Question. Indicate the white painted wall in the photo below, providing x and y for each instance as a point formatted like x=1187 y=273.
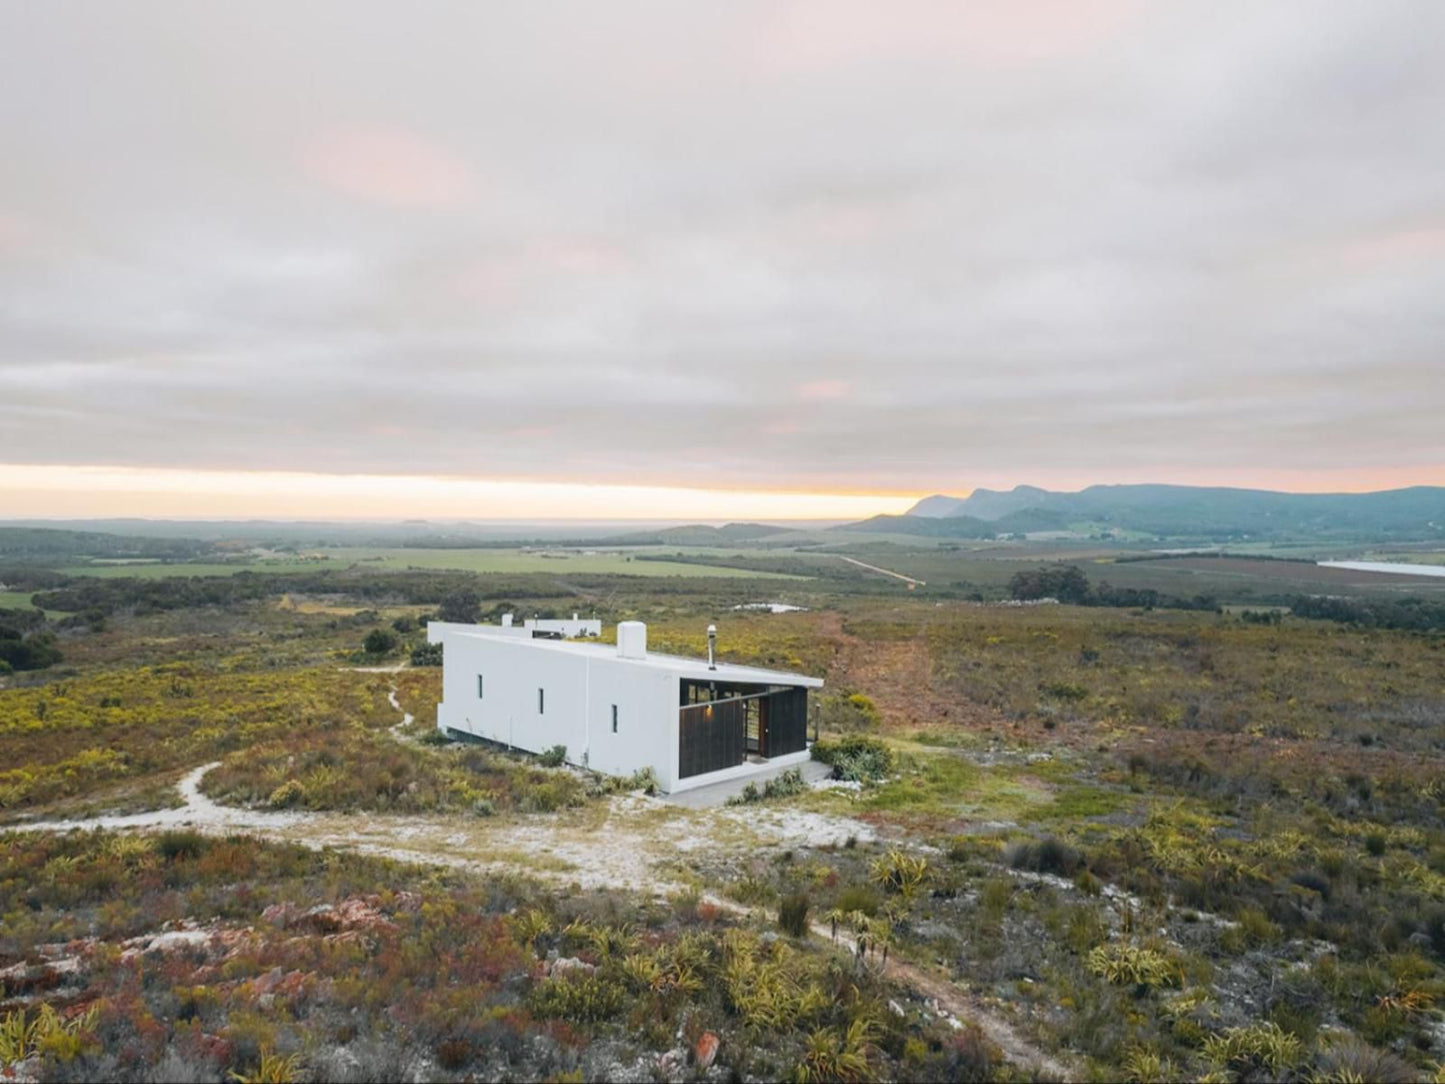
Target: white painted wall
x=579 y=691
x=436 y=631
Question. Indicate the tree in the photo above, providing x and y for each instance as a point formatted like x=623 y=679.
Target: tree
x=33 y=652
x=462 y=607
x=1067 y=584
x=379 y=642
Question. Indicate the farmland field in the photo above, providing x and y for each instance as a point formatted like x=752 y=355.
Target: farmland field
x=1118 y=842
x=517 y=561
x=462 y=560
x=1238 y=579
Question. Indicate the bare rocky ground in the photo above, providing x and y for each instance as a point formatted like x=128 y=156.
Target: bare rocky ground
x=614 y=844
x=625 y=842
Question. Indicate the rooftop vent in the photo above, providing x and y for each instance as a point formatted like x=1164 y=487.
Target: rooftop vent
x=631 y=640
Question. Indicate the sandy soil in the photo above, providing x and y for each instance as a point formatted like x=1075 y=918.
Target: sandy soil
x=624 y=843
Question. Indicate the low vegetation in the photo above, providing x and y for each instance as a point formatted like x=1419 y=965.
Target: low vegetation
x=356 y=769
x=75 y=735
x=856 y=758
x=1159 y=843
x=233 y=958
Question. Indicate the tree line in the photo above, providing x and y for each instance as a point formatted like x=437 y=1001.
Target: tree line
x=1068 y=584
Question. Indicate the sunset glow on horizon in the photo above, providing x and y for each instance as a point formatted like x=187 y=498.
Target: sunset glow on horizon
x=750 y=260
x=41 y=491
x=65 y=492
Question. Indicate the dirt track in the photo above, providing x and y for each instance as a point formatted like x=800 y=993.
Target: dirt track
x=620 y=849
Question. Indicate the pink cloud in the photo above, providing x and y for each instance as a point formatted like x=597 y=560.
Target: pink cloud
x=388 y=165
x=581 y=255
x=501 y=280
x=1420 y=243
x=824 y=390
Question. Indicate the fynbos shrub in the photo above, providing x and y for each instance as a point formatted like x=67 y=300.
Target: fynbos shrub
x=793 y=915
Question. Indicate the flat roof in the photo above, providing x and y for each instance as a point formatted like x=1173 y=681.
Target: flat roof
x=679 y=664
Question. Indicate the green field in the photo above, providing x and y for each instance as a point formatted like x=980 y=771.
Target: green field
x=464 y=560
x=230 y=568
x=515 y=561
x=1236 y=579
x=15 y=600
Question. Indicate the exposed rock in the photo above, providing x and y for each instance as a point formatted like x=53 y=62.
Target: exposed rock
x=21 y=1072
x=169 y=941
x=323 y=919
x=706 y=1050
x=281 y=914
x=356 y=913
x=569 y=963
x=269 y=981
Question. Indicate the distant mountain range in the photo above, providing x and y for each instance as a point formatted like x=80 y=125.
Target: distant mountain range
x=1175 y=512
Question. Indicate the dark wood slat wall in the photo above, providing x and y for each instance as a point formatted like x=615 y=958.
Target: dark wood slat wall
x=710 y=739
x=787 y=722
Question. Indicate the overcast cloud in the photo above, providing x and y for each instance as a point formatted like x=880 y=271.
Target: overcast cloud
x=834 y=245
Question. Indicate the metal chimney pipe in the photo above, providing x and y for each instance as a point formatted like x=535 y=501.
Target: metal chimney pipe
x=712 y=647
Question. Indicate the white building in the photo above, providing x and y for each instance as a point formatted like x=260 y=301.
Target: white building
x=620 y=709
x=563 y=628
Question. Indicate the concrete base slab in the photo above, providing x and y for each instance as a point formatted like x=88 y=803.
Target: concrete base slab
x=715 y=794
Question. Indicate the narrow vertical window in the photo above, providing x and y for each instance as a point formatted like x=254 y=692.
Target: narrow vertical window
x=614 y=718
x=479 y=686
x=541 y=702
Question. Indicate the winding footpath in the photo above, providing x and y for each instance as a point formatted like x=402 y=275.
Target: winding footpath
x=618 y=852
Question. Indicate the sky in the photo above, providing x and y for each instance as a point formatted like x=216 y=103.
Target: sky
x=767 y=259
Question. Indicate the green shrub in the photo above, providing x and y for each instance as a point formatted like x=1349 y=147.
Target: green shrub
x=574 y=997
x=1353 y=1060
x=848 y=712
x=180 y=843
x=644 y=779
x=1124 y=964
x=790 y=782
x=898 y=871
x=793 y=915
x=1064 y=690
x=427 y=655
x=860 y=898
x=287 y=794
x=752 y=891
x=1255 y=926
x=856 y=758
x=554 y=757
x=1246 y=1050
x=379 y=642
x=1047 y=855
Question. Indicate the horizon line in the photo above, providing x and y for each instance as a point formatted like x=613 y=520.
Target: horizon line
x=58 y=492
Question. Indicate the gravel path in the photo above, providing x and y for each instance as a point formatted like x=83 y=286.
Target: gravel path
x=621 y=849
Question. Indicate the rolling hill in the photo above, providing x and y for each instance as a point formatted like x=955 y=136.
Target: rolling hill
x=1181 y=511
